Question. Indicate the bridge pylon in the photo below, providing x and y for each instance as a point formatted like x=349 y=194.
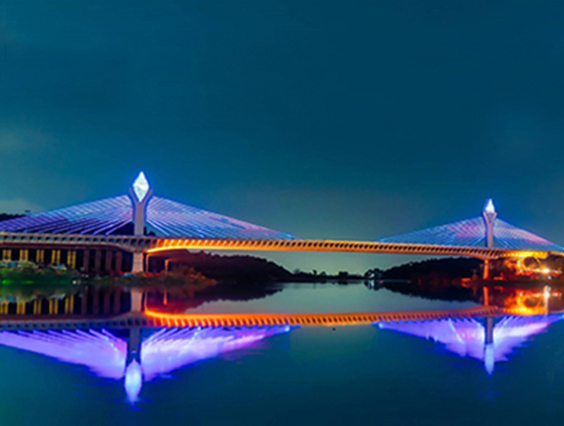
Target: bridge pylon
x=140 y=194
x=489 y=214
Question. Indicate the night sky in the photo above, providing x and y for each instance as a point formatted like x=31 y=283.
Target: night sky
x=326 y=119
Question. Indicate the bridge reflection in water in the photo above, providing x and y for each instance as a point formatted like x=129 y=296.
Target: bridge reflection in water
x=130 y=356
x=490 y=340
x=111 y=332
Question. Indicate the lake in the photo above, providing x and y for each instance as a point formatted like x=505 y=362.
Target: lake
x=438 y=372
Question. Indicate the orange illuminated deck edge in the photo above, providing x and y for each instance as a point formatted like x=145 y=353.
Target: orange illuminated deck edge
x=261 y=320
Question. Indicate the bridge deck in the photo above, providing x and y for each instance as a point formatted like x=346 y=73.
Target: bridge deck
x=151 y=319
x=155 y=245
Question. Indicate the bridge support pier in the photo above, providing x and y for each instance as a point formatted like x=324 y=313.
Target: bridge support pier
x=136 y=300
x=489 y=331
x=117 y=301
x=55 y=257
x=138 y=263
x=486 y=273
x=119 y=260
x=486 y=292
x=24 y=254
x=109 y=257
x=84 y=301
x=6 y=254
x=95 y=301
x=86 y=261
x=97 y=261
x=134 y=345
x=40 y=256
x=71 y=259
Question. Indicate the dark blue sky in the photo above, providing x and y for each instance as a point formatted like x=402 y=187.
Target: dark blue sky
x=327 y=119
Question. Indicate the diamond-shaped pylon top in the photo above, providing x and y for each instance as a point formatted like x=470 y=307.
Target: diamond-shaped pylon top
x=141 y=186
x=489 y=207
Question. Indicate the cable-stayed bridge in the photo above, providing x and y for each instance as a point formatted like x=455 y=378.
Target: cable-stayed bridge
x=121 y=233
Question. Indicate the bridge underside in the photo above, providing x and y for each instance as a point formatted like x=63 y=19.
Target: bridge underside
x=323 y=246
x=95 y=307
x=99 y=253
x=143 y=244
x=110 y=253
x=152 y=319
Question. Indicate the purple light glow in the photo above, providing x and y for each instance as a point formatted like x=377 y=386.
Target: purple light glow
x=467 y=337
x=101 y=352
x=133 y=381
x=164 y=351
x=170 y=349
x=165 y=217
x=472 y=233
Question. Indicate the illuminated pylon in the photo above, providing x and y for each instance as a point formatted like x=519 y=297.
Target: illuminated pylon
x=140 y=194
x=489 y=216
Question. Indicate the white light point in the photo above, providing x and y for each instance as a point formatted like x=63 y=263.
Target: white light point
x=141 y=186
x=489 y=208
x=133 y=381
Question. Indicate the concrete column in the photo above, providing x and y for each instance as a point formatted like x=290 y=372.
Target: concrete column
x=53 y=306
x=117 y=300
x=97 y=261
x=7 y=254
x=37 y=307
x=119 y=261
x=96 y=301
x=71 y=259
x=106 y=304
x=489 y=330
x=108 y=260
x=24 y=254
x=84 y=301
x=486 y=273
x=86 y=260
x=136 y=300
x=69 y=305
x=40 y=256
x=138 y=264
x=134 y=345
x=54 y=257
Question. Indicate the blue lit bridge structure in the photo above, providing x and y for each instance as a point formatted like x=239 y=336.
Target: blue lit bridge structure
x=124 y=342
x=121 y=233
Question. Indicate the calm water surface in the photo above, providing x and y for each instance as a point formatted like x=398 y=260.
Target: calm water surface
x=315 y=298
x=353 y=375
